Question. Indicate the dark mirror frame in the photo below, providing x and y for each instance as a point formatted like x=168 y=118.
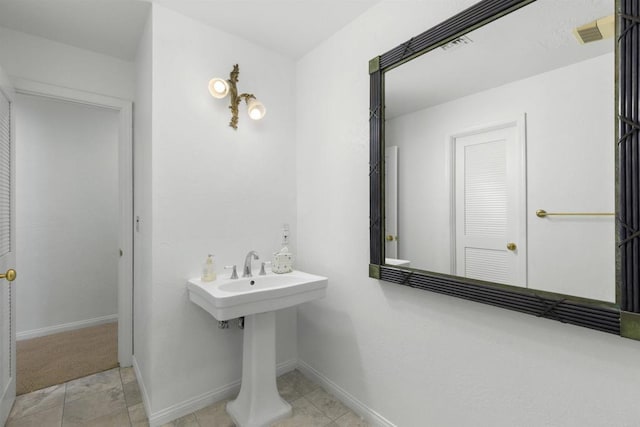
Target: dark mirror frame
x=620 y=318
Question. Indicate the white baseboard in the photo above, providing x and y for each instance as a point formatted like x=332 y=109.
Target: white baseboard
x=191 y=405
x=143 y=389
x=41 y=332
x=286 y=366
x=198 y=402
x=345 y=397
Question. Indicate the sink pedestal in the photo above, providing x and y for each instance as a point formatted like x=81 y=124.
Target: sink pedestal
x=259 y=403
x=257 y=299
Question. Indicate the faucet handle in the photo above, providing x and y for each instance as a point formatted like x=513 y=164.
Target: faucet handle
x=262 y=272
x=234 y=273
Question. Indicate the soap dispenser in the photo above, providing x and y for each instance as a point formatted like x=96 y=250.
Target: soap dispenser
x=282 y=261
x=208 y=270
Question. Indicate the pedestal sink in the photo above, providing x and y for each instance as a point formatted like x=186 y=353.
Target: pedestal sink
x=257 y=298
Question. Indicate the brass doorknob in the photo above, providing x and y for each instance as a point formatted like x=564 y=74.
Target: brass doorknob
x=511 y=246
x=389 y=238
x=10 y=275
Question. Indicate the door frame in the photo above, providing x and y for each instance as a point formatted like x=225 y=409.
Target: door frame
x=520 y=122
x=391 y=169
x=125 y=182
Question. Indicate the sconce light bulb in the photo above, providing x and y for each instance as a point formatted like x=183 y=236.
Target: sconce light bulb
x=218 y=88
x=255 y=114
x=256 y=109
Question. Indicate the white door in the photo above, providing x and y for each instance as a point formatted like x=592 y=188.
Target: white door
x=490 y=205
x=391 y=201
x=7 y=251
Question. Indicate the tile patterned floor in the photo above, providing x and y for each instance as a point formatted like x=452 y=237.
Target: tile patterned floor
x=112 y=398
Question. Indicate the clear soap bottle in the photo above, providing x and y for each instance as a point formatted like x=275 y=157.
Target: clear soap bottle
x=208 y=270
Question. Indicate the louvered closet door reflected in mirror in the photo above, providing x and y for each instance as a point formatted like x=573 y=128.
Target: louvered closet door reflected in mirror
x=489 y=236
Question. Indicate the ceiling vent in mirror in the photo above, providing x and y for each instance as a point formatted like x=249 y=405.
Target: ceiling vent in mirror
x=597 y=30
x=457 y=43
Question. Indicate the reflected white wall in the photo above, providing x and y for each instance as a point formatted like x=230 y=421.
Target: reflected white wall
x=570 y=168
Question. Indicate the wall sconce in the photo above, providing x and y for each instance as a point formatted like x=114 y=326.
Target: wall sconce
x=219 y=88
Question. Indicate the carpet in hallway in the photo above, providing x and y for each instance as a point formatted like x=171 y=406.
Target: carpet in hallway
x=61 y=357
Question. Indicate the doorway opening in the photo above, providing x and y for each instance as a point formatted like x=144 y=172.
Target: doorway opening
x=74 y=234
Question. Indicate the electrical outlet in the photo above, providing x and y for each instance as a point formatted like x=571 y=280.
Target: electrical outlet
x=285 y=234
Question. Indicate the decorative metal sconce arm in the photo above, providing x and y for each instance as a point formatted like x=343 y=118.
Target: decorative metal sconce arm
x=236 y=99
x=235 y=102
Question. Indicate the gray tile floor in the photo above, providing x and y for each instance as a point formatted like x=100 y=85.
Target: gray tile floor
x=112 y=398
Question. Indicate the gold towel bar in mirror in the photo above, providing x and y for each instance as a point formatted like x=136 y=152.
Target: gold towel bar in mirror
x=541 y=213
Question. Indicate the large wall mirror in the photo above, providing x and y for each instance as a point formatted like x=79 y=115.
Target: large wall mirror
x=504 y=160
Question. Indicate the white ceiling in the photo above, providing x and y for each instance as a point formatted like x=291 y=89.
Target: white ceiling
x=109 y=27
x=527 y=42
x=113 y=27
x=291 y=27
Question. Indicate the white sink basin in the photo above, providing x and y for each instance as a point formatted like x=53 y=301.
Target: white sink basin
x=228 y=298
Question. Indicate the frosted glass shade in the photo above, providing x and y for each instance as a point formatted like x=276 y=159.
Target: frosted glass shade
x=218 y=88
x=256 y=109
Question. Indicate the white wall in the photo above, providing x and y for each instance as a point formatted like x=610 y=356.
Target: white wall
x=67 y=212
x=142 y=151
x=416 y=357
x=36 y=58
x=570 y=168
x=213 y=190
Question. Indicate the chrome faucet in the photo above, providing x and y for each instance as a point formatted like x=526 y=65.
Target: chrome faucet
x=246 y=271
